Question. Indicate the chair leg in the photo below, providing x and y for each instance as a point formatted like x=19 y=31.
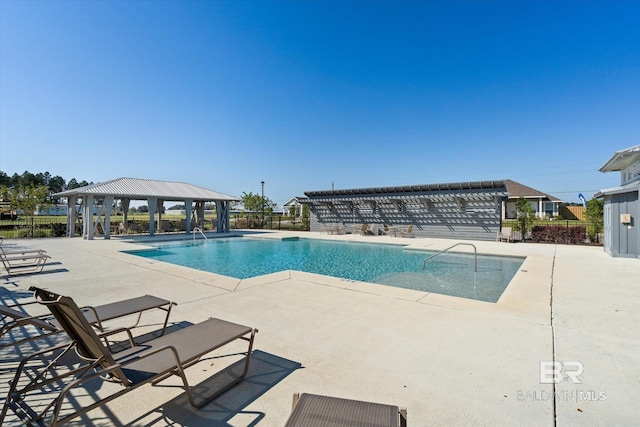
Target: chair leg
x=205 y=400
x=403 y=417
x=296 y=398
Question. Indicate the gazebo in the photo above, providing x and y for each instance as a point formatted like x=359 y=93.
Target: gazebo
x=96 y=201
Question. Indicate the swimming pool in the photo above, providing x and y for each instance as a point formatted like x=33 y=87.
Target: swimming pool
x=243 y=258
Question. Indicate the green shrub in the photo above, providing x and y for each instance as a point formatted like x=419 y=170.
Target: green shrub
x=58 y=229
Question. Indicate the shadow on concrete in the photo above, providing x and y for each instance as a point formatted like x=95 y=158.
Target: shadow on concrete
x=265 y=372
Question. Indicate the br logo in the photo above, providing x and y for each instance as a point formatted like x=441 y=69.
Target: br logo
x=553 y=372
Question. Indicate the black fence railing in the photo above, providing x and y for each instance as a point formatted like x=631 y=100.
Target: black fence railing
x=544 y=231
x=39 y=227
x=559 y=231
x=33 y=227
x=269 y=222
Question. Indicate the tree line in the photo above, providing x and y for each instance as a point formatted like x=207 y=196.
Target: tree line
x=55 y=184
x=28 y=191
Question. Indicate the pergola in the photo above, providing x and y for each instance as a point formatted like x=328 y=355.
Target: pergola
x=99 y=198
x=461 y=210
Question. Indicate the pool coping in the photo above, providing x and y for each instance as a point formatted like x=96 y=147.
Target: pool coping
x=522 y=298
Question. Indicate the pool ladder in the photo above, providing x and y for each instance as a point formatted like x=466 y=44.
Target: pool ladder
x=475 y=255
x=198 y=230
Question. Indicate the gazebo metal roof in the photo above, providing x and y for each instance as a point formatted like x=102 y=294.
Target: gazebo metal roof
x=134 y=188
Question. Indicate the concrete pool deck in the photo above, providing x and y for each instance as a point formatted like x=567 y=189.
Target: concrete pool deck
x=449 y=361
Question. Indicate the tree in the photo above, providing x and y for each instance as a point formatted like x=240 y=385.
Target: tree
x=305 y=214
x=257 y=204
x=595 y=215
x=28 y=199
x=251 y=202
x=524 y=216
x=5 y=180
x=56 y=184
x=72 y=184
x=75 y=184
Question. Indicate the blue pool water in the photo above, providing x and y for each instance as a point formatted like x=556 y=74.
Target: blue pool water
x=242 y=258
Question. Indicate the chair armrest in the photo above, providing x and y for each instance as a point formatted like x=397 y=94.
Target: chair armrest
x=104 y=334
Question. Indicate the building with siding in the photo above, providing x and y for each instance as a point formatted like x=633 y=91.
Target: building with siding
x=543 y=204
x=621 y=204
x=294 y=201
x=469 y=210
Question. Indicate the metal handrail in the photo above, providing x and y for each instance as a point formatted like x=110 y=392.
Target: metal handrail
x=475 y=255
x=198 y=230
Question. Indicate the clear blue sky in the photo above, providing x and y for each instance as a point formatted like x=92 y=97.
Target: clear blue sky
x=309 y=94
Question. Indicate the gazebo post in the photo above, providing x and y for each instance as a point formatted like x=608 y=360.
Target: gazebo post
x=187 y=208
x=71 y=216
x=87 y=217
x=159 y=206
x=152 y=202
x=124 y=202
x=222 y=216
x=108 y=204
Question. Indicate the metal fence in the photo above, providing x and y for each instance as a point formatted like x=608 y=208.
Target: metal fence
x=33 y=227
x=274 y=222
x=560 y=231
x=39 y=227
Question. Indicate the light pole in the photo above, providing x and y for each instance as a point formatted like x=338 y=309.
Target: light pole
x=262 y=203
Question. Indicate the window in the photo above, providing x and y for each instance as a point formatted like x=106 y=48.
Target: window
x=549 y=208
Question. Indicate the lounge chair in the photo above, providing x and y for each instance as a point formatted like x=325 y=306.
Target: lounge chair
x=408 y=232
x=506 y=234
x=24 y=261
x=151 y=362
x=368 y=230
x=18 y=251
x=122 y=229
x=312 y=410
x=96 y=316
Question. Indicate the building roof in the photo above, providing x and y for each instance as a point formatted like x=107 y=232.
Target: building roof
x=628 y=188
x=454 y=186
x=134 y=188
x=294 y=200
x=515 y=189
x=622 y=159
